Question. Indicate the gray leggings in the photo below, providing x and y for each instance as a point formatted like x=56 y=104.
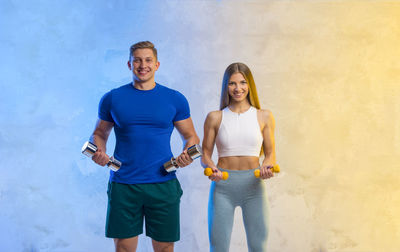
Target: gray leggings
x=244 y=190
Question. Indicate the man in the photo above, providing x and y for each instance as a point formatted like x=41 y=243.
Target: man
x=143 y=115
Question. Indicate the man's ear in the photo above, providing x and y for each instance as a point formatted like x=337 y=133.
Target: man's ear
x=129 y=65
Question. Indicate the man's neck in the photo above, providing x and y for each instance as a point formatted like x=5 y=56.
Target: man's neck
x=148 y=85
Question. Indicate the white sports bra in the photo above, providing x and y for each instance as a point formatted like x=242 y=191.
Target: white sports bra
x=239 y=134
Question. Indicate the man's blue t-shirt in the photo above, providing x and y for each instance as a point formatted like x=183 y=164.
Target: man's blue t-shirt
x=143 y=124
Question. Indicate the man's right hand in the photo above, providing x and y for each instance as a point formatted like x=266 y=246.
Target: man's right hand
x=99 y=138
x=100 y=158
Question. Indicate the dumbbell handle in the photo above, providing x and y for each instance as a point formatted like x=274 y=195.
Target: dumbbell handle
x=274 y=169
x=88 y=149
x=208 y=172
x=193 y=151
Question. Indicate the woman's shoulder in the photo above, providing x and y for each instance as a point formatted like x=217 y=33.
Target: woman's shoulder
x=265 y=115
x=214 y=118
x=214 y=115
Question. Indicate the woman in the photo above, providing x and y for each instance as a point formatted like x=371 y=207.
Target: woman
x=241 y=131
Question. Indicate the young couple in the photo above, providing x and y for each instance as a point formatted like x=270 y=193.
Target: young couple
x=143 y=114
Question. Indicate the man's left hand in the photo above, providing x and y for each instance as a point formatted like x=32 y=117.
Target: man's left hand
x=184 y=159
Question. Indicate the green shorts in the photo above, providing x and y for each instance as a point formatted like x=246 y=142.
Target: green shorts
x=157 y=203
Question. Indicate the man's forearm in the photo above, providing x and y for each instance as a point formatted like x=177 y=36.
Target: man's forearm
x=99 y=141
x=191 y=141
x=101 y=133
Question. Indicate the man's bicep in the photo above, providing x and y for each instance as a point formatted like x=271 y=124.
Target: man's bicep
x=103 y=128
x=185 y=127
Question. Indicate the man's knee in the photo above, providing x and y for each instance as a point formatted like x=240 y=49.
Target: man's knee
x=163 y=246
x=126 y=245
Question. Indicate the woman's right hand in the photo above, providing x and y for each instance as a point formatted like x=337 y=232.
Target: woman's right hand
x=217 y=174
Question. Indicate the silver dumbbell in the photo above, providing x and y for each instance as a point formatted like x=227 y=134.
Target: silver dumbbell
x=89 y=149
x=194 y=152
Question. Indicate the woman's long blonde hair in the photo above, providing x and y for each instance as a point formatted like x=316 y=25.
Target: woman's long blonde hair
x=245 y=71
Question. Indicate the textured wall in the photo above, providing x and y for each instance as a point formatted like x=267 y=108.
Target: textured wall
x=329 y=71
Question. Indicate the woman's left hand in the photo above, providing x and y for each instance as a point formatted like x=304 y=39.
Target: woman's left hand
x=266 y=171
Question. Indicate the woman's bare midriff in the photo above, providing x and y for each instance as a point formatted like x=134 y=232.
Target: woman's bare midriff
x=238 y=163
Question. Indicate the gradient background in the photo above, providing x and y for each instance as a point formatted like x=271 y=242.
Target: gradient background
x=328 y=70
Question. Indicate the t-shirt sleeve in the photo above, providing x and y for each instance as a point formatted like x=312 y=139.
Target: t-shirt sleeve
x=182 y=107
x=105 y=108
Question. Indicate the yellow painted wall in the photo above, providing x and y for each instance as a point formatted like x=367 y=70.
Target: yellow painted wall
x=330 y=72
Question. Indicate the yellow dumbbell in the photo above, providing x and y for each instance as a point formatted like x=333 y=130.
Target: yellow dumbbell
x=274 y=168
x=208 y=172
